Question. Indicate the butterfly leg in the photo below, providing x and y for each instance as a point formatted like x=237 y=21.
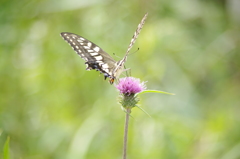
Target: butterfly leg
x=127 y=69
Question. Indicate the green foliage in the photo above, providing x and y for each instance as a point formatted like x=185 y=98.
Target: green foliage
x=6 y=152
x=155 y=91
x=53 y=109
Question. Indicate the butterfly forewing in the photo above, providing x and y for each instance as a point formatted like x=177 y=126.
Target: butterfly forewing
x=85 y=48
x=94 y=56
x=136 y=33
x=133 y=40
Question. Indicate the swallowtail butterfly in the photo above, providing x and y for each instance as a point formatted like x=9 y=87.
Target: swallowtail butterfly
x=98 y=59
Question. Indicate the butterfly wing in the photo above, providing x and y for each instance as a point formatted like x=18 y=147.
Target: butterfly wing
x=136 y=33
x=94 y=56
x=119 y=68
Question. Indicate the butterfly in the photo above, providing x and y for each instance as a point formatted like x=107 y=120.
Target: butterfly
x=96 y=58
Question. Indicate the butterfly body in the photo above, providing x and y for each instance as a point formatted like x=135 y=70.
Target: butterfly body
x=96 y=58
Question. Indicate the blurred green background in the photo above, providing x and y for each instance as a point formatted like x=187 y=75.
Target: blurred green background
x=51 y=108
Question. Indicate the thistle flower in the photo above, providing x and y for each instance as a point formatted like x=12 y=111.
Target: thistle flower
x=129 y=87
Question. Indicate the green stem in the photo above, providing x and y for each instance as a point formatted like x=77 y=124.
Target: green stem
x=128 y=111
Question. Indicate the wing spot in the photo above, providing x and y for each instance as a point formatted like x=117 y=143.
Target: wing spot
x=94 y=54
x=96 y=49
x=110 y=73
x=79 y=51
x=105 y=66
x=77 y=47
x=88 y=68
x=82 y=55
x=86 y=47
x=89 y=51
x=89 y=44
x=82 y=39
x=73 y=43
x=98 y=58
x=106 y=70
x=79 y=40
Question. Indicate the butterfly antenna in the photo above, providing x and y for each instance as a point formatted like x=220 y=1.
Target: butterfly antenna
x=116 y=56
x=134 y=52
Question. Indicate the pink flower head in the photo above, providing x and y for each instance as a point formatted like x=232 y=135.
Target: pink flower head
x=130 y=85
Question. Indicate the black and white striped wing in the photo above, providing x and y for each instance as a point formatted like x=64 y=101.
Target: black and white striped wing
x=120 y=64
x=94 y=56
x=136 y=33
